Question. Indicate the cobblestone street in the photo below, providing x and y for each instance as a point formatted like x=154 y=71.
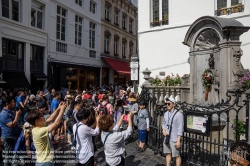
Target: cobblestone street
x=133 y=158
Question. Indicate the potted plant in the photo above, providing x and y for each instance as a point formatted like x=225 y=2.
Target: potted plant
x=177 y=80
x=245 y=81
x=157 y=81
x=239 y=128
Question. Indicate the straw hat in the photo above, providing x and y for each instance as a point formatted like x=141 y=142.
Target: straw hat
x=132 y=99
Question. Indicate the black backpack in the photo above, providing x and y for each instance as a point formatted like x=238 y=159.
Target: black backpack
x=71 y=122
x=103 y=109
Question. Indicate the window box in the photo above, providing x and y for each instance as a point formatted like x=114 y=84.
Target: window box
x=164 y=22
x=233 y=9
x=155 y=23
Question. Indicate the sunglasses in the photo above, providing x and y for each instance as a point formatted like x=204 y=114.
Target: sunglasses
x=168 y=104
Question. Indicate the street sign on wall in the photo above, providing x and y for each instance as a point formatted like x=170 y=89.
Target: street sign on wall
x=134 y=74
x=134 y=65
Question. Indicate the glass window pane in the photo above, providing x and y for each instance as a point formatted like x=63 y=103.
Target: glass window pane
x=5 y=8
x=79 y=35
x=79 y=42
x=76 y=18
x=63 y=29
x=155 y=10
x=80 y=28
x=58 y=10
x=40 y=24
x=63 y=36
x=33 y=17
x=75 y=40
x=15 y=10
x=20 y=51
x=58 y=19
x=64 y=12
x=63 y=21
x=80 y=2
x=80 y=20
x=58 y=35
x=4 y=47
x=39 y=19
x=31 y=52
x=12 y=48
x=58 y=27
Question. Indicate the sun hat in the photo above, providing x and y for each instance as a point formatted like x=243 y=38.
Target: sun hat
x=132 y=99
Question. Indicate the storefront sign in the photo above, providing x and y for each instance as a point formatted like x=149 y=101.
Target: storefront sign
x=197 y=123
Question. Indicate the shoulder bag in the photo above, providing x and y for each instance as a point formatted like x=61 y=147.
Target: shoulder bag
x=167 y=138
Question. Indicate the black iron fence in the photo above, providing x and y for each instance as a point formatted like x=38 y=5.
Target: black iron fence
x=224 y=126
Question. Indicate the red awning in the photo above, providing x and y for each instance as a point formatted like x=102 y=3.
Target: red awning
x=119 y=66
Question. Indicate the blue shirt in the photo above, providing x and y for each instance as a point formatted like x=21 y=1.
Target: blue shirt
x=7 y=116
x=18 y=100
x=54 y=105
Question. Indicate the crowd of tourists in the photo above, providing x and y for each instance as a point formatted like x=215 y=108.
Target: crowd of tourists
x=32 y=124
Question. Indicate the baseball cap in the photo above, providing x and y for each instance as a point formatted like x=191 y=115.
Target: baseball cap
x=171 y=99
x=41 y=104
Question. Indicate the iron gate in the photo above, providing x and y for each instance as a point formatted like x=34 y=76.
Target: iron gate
x=199 y=149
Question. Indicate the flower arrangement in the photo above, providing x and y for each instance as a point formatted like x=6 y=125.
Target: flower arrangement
x=207 y=81
x=240 y=127
x=167 y=81
x=245 y=81
x=157 y=81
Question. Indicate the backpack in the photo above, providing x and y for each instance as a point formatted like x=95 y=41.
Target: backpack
x=71 y=122
x=103 y=109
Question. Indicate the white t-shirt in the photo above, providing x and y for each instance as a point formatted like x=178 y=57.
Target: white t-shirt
x=84 y=144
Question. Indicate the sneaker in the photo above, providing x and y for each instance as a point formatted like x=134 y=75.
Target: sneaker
x=73 y=148
x=54 y=142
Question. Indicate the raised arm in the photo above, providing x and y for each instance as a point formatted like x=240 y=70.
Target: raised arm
x=58 y=119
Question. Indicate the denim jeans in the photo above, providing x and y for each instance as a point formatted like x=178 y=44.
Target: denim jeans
x=45 y=164
x=9 y=144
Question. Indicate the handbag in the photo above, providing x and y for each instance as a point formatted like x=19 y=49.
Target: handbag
x=167 y=138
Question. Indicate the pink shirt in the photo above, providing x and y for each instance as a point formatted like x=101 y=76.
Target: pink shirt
x=109 y=107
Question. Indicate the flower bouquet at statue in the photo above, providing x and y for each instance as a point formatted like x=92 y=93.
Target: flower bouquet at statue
x=245 y=81
x=207 y=81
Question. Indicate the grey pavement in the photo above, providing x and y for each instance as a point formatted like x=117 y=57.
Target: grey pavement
x=134 y=158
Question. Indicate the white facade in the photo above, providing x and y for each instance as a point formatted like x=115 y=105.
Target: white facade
x=161 y=47
x=75 y=54
x=29 y=30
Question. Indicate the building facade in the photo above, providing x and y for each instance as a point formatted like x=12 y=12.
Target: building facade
x=50 y=42
x=118 y=43
x=163 y=25
x=23 y=41
x=74 y=43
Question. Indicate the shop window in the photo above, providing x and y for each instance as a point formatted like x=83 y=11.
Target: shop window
x=36 y=58
x=13 y=55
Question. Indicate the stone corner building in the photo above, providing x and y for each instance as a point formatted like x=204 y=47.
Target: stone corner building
x=119 y=18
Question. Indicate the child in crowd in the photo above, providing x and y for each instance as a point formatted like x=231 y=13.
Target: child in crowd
x=143 y=125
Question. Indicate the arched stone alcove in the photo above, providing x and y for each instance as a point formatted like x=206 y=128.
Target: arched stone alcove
x=214 y=44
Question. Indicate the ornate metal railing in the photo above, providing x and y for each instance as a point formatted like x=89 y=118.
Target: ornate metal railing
x=197 y=149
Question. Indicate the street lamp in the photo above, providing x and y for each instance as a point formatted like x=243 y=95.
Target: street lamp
x=134 y=70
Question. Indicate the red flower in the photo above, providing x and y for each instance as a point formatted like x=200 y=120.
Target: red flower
x=208 y=78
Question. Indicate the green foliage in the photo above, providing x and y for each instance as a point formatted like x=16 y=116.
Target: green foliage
x=240 y=127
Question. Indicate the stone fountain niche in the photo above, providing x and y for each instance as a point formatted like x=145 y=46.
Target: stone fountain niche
x=214 y=44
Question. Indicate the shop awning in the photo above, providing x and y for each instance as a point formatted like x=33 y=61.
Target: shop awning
x=16 y=80
x=119 y=66
x=40 y=76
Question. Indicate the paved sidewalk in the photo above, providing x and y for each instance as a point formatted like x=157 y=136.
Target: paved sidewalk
x=134 y=158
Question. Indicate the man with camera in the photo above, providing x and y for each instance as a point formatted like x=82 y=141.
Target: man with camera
x=9 y=127
x=172 y=129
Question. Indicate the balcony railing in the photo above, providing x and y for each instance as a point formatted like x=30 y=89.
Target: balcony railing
x=227 y=11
